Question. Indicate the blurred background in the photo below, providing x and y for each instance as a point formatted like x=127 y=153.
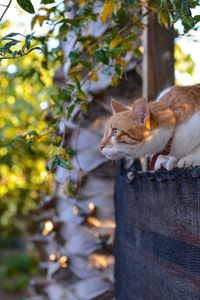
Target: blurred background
x=38 y=148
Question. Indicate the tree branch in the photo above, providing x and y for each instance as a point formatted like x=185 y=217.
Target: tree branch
x=20 y=56
x=7 y=7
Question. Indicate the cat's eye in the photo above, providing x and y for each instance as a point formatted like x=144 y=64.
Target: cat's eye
x=114 y=132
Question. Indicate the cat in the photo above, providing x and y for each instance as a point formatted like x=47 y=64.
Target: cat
x=169 y=127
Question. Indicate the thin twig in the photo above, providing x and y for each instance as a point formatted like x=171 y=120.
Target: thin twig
x=7 y=7
x=11 y=57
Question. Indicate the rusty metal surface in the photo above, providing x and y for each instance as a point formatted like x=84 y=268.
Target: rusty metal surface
x=157 y=246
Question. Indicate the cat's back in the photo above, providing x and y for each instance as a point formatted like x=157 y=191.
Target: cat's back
x=182 y=102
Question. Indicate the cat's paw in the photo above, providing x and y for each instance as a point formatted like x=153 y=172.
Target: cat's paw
x=187 y=161
x=160 y=162
x=166 y=161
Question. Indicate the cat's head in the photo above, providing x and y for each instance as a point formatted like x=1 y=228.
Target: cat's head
x=127 y=130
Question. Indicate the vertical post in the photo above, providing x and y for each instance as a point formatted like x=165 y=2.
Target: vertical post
x=158 y=59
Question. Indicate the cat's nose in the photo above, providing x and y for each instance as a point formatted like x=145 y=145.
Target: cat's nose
x=101 y=146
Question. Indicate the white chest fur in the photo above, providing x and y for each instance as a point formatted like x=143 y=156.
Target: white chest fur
x=185 y=149
x=186 y=137
x=157 y=141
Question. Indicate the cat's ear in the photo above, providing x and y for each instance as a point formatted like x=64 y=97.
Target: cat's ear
x=141 y=111
x=117 y=107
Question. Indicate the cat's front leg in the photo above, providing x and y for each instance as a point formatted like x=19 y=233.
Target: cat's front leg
x=166 y=161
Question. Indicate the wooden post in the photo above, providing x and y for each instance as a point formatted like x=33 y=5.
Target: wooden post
x=158 y=59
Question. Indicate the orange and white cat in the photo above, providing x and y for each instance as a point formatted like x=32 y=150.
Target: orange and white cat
x=148 y=127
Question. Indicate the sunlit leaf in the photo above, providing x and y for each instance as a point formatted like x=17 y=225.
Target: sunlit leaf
x=108 y=8
x=76 y=69
x=82 y=2
x=32 y=132
x=10 y=44
x=10 y=35
x=94 y=76
x=121 y=62
x=164 y=18
x=42 y=138
x=116 y=41
x=41 y=20
x=115 y=80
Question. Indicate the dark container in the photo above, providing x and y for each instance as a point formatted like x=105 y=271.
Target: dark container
x=157 y=246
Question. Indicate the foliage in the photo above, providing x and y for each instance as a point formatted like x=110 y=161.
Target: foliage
x=32 y=106
x=184 y=63
x=16 y=270
x=26 y=138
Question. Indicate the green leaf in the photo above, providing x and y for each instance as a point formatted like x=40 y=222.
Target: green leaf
x=36 y=48
x=70 y=151
x=118 y=70
x=10 y=44
x=86 y=63
x=26 y=5
x=74 y=57
x=66 y=95
x=14 y=53
x=64 y=163
x=117 y=52
x=52 y=163
x=63 y=29
x=10 y=35
x=196 y=19
x=102 y=56
x=78 y=84
x=122 y=16
x=71 y=21
x=47 y=1
x=70 y=87
x=70 y=110
x=28 y=40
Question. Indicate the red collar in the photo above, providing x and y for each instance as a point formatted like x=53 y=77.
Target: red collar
x=165 y=151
